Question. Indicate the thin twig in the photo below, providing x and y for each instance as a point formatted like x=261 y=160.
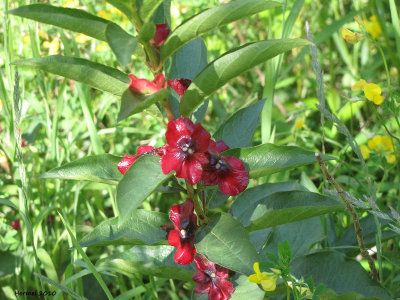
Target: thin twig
x=354 y=216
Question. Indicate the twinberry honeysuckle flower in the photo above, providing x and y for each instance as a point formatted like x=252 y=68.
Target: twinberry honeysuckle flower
x=266 y=279
x=144 y=87
x=161 y=34
x=211 y=279
x=185 y=149
x=128 y=160
x=182 y=236
x=226 y=172
x=373 y=27
x=179 y=85
x=16 y=225
x=350 y=37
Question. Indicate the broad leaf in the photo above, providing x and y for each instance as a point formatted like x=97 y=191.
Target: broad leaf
x=338 y=273
x=148 y=7
x=141 y=179
x=122 y=43
x=68 y=18
x=286 y=207
x=125 y=6
x=149 y=260
x=132 y=104
x=226 y=242
x=98 y=168
x=230 y=65
x=211 y=19
x=214 y=198
x=259 y=237
x=93 y=74
x=244 y=289
x=142 y=228
x=8 y=263
x=267 y=159
x=238 y=130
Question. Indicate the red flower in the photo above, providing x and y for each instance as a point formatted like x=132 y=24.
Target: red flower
x=226 y=172
x=211 y=279
x=161 y=34
x=128 y=160
x=182 y=236
x=184 y=151
x=16 y=224
x=144 y=87
x=179 y=85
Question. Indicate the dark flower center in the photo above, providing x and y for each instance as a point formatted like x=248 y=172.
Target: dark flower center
x=187 y=229
x=217 y=164
x=187 y=146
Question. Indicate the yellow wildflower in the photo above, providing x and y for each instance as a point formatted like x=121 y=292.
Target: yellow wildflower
x=104 y=14
x=364 y=151
x=53 y=46
x=391 y=159
x=383 y=145
x=350 y=36
x=27 y=38
x=101 y=47
x=359 y=85
x=373 y=27
x=3 y=159
x=373 y=93
x=81 y=38
x=299 y=124
x=1 y=105
x=267 y=280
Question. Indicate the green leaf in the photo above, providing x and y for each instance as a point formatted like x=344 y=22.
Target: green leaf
x=148 y=7
x=125 y=6
x=132 y=104
x=8 y=263
x=267 y=159
x=68 y=18
x=141 y=179
x=211 y=19
x=141 y=228
x=230 y=65
x=286 y=207
x=238 y=130
x=93 y=74
x=122 y=43
x=226 y=242
x=47 y=264
x=338 y=273
x=244 y=289
x=259 y=237
x=8 y=203
x=99 y=168
x=149 y=260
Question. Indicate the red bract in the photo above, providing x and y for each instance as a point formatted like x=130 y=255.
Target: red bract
x=128 y=160
x=16 y=224
x=211 y=279
x=144 y=87
x=179 y=85
x=226 y=172
x=182 y=236
x=160 y=35
x=184 y=151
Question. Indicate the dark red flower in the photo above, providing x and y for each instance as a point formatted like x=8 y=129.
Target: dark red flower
x=211 y=279
x=144 y=87
x=182 y=236
x=226 y=172
x=179 y=85
x=16 y=224
x=128 y=160
x=185 y=149
x=161 y=34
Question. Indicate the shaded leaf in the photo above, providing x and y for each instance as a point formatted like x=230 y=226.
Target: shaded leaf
x=93 y=74
x=99 y=168
x=259 y=237
x=8 y=264
x=122 y=43
x=142 y=227
x=244 y=289
x=148 y=7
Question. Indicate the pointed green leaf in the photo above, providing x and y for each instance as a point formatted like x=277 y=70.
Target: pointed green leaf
x=244 y=289
x=230 y=65
x=267 y=159
x=141 y=179
x=211 y=19
x=141 y=228
x=226 y=242
x=93 y=74
x=132 y=104
x=148 y=7
x=286 y=207
x=122 y=43
x=238 y=130
x=125 y=6
x=98 y=168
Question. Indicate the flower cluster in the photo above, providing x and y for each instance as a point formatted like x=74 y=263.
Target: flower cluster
x=372 y=91
x=382 y=145
x=373 y=28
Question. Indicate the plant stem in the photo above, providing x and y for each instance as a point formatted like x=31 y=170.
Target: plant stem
x=197 y=206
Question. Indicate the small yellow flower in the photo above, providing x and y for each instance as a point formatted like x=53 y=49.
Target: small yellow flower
x=373 y=93
x=101 y=47
x=350 y=36
x=364 y=151
x=373 y=27
x=3 y=159
x=359 y=85
x=81 y=38
x=27 y=38
x=384 y=146
x=53 y=46
x=299 y=124
x=267 y=280
x=391 y=159
x=104 y=14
